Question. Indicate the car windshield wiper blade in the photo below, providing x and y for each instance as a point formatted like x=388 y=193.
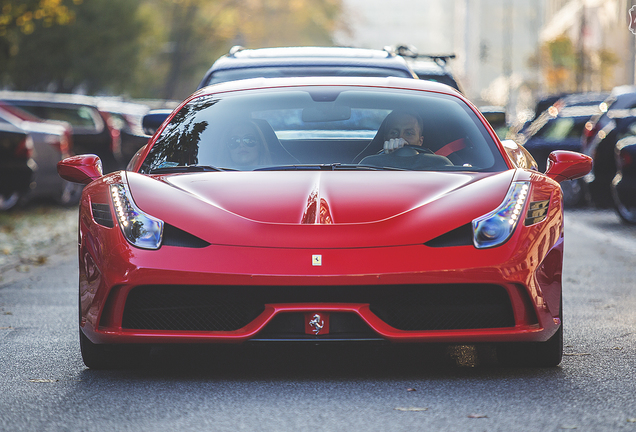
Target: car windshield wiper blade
x=187 y=168
x=326 y=167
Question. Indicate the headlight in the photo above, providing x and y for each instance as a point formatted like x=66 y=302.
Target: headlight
x=140 y=229
x=497 y=226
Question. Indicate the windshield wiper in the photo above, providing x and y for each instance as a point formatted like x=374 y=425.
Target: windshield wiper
x=326 y=167
x=187 y=168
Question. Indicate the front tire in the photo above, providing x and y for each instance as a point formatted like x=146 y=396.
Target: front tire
x=97 y=356
x=533 y=354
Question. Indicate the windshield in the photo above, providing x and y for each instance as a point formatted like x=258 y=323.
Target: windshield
x=224 y=75
x=318 y=127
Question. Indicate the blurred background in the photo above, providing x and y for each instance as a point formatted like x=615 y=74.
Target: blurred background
x=508 y=53
x=550 y=74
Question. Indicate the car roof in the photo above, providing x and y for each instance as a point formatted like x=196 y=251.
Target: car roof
x=241 y=58
x=47 y=98
x=588 y=98
x=348 y=81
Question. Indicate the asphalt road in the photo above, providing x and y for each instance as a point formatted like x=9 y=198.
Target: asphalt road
x=44 y=385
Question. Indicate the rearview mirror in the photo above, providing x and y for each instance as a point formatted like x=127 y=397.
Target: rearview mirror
x=567 y=165
x=80 y=169
x=325 y=112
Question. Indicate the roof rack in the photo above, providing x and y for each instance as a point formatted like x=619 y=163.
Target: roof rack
x=235 y=49
x=411 y=52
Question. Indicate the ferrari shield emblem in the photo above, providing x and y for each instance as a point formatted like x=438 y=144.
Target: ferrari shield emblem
x=316 y=260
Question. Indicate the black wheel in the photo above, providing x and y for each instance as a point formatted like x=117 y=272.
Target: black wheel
x=535 y=354
x=8 y=201
x=98 y=356
x=573 y=193
x=95 y=356
x=626 y=210
x=71 y=194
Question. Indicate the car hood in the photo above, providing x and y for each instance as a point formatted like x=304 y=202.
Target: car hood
x=295 y=209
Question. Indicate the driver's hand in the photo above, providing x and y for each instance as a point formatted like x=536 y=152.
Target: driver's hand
x=394 y=144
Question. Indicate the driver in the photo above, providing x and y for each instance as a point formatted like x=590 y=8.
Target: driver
x=403 y=128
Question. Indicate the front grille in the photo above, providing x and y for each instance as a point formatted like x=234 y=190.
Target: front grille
x=187 y=308
x=454 y=307
x=291 y=325
x=404 y=307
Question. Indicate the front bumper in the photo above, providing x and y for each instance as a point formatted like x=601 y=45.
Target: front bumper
x=530 y=280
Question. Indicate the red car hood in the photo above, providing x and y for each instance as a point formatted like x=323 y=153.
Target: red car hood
x=319 y=209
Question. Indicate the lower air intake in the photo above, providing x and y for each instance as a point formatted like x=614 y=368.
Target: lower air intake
x=404 y=307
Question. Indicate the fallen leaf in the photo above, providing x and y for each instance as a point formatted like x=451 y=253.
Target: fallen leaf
x=568 y=427
x=631 y=420
x=411 y=389
x=477 y=416
x=410 y=409
x=6 y=328
x=7 y=313
x=43 y=380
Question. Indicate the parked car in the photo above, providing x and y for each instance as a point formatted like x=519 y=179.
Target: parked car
x=241 y=63
x=599 y=139
x=267 y=211
x=429 y=67
x=559 y=128
x=52 y=142
x=624 y=183
x=91 y=131
x=126 y=118
x=496 y=116
x=16 y=164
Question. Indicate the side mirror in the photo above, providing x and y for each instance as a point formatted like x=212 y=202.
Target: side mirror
x=567 y=165
x=80 y=169
x=154 y=119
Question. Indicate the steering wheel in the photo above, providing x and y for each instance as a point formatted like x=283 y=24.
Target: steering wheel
x=407 y=150
x=411 y=150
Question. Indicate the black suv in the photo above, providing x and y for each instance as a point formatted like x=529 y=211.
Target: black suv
x=428 y=67
x=241 y=63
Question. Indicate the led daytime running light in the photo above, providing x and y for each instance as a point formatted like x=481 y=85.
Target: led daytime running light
x=140 y=229
x=497 y=226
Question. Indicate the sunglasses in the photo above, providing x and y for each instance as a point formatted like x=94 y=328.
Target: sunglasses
x=247 y=140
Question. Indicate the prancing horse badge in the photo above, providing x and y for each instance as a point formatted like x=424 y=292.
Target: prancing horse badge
x=316 y=260
x=317 y=323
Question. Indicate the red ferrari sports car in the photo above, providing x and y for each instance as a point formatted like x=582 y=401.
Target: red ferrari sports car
x=321 y=210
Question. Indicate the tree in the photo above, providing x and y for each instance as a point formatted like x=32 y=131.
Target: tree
x=23 y=17
x=147 y=48
x=96 y=52
x=199 y=31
